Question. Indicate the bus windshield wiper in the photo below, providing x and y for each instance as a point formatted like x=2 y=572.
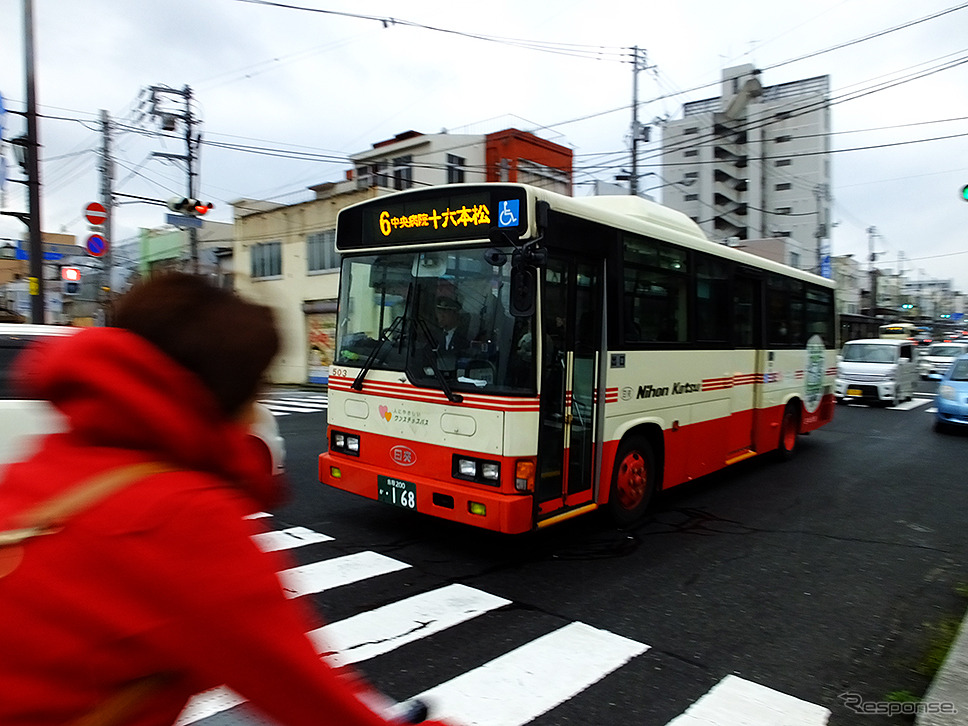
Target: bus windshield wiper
x=357 y=384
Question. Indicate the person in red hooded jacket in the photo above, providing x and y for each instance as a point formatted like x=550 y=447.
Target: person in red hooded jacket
x=158 y=582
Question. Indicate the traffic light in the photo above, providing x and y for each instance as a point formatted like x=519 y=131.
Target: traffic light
x=964 y=192
x=191 y=207
x=71 y=277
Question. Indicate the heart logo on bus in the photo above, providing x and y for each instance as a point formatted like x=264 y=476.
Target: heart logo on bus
x=385 y=413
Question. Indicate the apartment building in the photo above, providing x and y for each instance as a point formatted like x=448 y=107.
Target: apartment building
x=753 y=163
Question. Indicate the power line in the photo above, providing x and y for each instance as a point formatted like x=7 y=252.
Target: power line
x=591 y=52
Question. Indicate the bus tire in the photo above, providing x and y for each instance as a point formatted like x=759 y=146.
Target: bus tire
x=789 y=430
x=633 y=480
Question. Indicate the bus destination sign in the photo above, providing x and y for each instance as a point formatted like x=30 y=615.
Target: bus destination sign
x=433 y=220
x=419 y=217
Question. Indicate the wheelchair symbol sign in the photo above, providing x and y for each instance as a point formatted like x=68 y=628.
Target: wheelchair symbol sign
x=507 y=214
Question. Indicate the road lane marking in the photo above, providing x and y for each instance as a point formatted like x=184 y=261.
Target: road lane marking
x=327 y=574
x=735 y=700
x=379 y=631
x=519 y=686
x=287 y=539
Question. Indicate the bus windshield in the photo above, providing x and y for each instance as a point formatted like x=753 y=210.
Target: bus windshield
x=440 y=317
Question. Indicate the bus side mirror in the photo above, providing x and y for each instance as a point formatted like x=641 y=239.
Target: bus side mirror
x=521 y=302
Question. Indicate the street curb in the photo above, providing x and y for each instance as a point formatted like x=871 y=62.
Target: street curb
x=949 y=687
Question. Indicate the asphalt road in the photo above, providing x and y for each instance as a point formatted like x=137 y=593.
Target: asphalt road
x=825 y=578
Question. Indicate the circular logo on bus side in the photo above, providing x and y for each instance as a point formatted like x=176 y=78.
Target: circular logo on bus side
x=813 y=381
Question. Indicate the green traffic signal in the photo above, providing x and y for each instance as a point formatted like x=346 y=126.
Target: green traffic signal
x=964 y=192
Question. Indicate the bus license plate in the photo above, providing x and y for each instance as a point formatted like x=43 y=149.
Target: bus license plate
x=397 y=492
x=854 y=392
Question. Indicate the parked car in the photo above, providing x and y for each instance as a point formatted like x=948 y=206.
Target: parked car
x=876 y=370
x=933 y=362
x=23 y=422
x=952 y=399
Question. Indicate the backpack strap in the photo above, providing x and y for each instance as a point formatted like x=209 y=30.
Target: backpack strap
x=50 y=515
x=47 y=518
x=119 y=708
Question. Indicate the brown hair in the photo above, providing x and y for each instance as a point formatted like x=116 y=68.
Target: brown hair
x=226 y=341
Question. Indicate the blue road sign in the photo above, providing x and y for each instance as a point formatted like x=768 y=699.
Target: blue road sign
x=183 y=220
x=96 y=245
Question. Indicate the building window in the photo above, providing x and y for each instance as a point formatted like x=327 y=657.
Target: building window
x=321 y=251
x=784 y=186
x=784 y=210
x=794 y=260
x=783 y=138
x=403 y=172
x=455 y=169
x=784 y=162
x=266 y=259
x=371 y=175
x=691 y=152
x=691 y=197
x=691 y=130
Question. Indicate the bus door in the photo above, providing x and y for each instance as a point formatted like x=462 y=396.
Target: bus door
x=571 y=321
x=746 y=363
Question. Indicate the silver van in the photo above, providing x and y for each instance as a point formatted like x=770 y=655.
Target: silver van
x=876 y=370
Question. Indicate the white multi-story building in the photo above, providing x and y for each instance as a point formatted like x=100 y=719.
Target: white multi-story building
x=754 y=162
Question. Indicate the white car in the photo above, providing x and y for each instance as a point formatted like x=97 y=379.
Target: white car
x=23 y=422
x=876 y=370
x=936 y=359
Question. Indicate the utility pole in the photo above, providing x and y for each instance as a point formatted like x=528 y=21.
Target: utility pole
x=107 y=199
x=32 y=152
x=639 y=133
x=192 y=142
x=822 y=196
x=871 y=234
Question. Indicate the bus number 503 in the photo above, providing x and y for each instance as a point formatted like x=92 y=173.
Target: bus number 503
x=397 y=492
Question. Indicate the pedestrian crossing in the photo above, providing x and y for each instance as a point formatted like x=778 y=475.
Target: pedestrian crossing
x=512 y=689
x=285 y=403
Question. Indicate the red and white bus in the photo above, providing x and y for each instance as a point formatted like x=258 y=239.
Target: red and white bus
x=604 y=349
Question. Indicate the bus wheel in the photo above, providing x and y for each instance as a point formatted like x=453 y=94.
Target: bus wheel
x=789 y=426
x=633 y=480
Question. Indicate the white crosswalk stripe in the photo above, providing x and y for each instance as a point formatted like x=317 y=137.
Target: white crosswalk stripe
x=735 y=698
x=379 y=631
x=327 y=574
x=513 y=689
x=285 y=404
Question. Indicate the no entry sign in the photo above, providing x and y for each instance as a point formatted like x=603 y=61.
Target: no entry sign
x=95 y=213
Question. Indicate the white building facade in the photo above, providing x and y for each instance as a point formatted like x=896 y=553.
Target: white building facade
x=754 y=163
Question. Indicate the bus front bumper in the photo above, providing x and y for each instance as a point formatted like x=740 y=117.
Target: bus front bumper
x=492 y=510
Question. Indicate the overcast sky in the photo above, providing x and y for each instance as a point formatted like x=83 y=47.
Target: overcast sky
x=307 y=88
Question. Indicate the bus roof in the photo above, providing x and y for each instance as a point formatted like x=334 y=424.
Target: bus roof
x=644 y=216
x=633 y=214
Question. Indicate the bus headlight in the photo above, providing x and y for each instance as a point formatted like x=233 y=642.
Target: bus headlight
x=344 y=443
x=476 y=470
x=491 y=471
